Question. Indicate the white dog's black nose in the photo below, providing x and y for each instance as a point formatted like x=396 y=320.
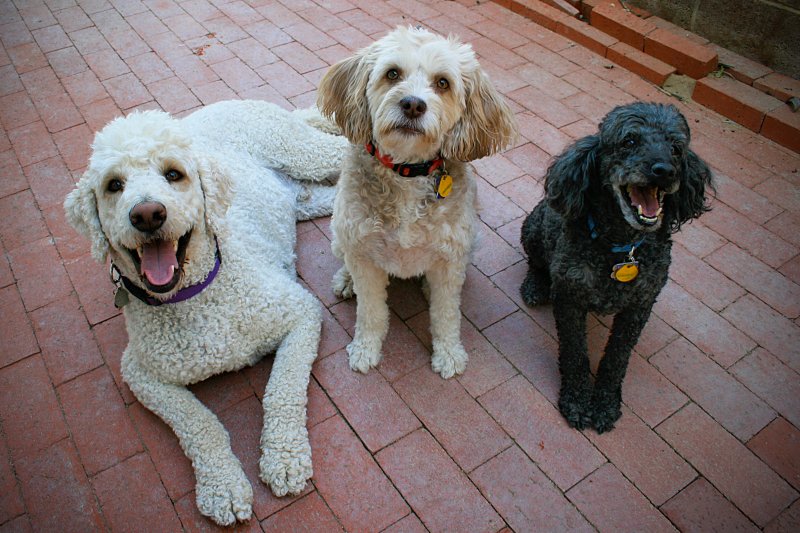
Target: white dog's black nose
x=413 y=107
x=148 y=216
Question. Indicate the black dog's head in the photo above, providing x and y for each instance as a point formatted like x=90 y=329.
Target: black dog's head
x=638 y=165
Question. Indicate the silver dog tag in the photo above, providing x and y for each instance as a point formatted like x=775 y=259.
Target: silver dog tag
x=120 y=298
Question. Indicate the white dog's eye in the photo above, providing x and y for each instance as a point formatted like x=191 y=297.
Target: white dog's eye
x=173 y=175
x=114 y=185
x=443 y=84
x=392 y=74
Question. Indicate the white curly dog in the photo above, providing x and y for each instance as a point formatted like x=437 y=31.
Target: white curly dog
x=416 y=106
x=201 y=230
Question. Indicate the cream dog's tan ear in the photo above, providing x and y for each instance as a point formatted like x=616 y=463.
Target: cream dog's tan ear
x=217 y=194
x=486 y=127
x=81 y=208
x=342 y=96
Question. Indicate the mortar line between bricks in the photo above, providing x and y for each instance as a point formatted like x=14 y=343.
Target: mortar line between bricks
x=780 y=475
x=702 y=476
x=724 y=370
x=410 y=512
x=74 y=445
x=17 y=481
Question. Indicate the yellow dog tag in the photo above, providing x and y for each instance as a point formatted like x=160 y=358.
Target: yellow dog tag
x=625 y=272
x=444 y=186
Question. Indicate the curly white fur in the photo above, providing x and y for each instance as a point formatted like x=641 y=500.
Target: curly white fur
x=385 y=224
x=230 y=193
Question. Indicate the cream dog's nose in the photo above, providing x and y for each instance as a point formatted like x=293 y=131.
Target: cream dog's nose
x=148 y=216
x=413 y=107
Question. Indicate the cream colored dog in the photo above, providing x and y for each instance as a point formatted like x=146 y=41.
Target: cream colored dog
x=416 y=106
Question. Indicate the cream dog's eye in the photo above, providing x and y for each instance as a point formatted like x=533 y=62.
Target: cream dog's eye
x=173 y=175
x=443 y=84
x=114 y=185
x=392 y=74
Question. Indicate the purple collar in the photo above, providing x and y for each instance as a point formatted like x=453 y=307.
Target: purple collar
x=181 y=295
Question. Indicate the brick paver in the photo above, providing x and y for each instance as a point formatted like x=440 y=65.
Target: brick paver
x=710 y=433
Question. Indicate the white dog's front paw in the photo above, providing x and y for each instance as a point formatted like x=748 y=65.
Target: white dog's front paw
x=363 y=355
x=449 y=361
x=225 y=495
x=286 y=469
x=343 y=284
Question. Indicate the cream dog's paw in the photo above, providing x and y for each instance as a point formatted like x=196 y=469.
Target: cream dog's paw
x=225 y=496
x=286 y=469
x=449 y=361
x=363 y=355
x=343 y=284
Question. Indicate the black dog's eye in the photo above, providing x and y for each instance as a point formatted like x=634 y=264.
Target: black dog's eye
x=443 y=84
x=392 y=74
x=629 y=142
x=114 y=185
x=173 y=175
x=676 y=149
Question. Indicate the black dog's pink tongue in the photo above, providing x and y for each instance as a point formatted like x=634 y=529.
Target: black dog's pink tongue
x=159 y=262
x=645 y=197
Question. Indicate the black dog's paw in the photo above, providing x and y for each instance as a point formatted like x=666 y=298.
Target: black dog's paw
x=605 y=411
x=534 y=290
x=576 y=408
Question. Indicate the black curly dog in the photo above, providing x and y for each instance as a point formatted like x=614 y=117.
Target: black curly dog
x=600 y=241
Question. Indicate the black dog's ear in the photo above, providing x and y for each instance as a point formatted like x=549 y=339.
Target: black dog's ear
x=690 y=200
x=569 y=176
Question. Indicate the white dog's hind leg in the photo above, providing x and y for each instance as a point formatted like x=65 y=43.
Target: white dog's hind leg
x=285 y=463
x=372 y=314
x=445 y=282
x=223 y=492
x=314 y=118
x=315 y=200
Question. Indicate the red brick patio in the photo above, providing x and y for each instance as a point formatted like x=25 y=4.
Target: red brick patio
x=709 y=437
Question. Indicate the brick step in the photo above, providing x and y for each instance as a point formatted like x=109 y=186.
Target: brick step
x=747 y=92
x=751 y=108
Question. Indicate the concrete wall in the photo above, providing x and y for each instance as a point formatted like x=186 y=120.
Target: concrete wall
x=767 y=31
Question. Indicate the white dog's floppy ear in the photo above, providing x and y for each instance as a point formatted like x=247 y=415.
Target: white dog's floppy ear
x=342 y=96
x=81 y=208
x=217 y=194
x=486 y=127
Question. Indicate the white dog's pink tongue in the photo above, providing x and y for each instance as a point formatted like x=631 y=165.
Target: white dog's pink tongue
x=159 y=262
x=645 y=197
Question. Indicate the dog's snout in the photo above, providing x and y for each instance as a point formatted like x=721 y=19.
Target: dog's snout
x=413 y=107
x=662 y=170
x=148 y=216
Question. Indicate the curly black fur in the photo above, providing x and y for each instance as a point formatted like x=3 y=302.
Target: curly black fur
x=642 y=145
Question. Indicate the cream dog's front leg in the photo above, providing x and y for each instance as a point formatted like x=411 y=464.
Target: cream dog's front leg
x=372 y=313
x=444 y=283
x=285 y=463
x=223 y=492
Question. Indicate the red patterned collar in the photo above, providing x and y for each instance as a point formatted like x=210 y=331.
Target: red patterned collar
x=406 y=170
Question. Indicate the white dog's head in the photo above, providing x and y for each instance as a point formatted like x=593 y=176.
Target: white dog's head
x=151 y=201
x=416 y=95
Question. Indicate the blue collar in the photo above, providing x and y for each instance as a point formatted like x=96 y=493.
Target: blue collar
x=616 y=248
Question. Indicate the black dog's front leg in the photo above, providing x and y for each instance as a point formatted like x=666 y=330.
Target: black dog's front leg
x=625 y=331
x=576 y=386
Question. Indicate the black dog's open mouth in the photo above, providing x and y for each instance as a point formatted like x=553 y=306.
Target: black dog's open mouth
x=645 y=201
x=160 y=262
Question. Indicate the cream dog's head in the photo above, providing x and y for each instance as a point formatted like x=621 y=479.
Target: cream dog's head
x=150 y=201
x=416 y=95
